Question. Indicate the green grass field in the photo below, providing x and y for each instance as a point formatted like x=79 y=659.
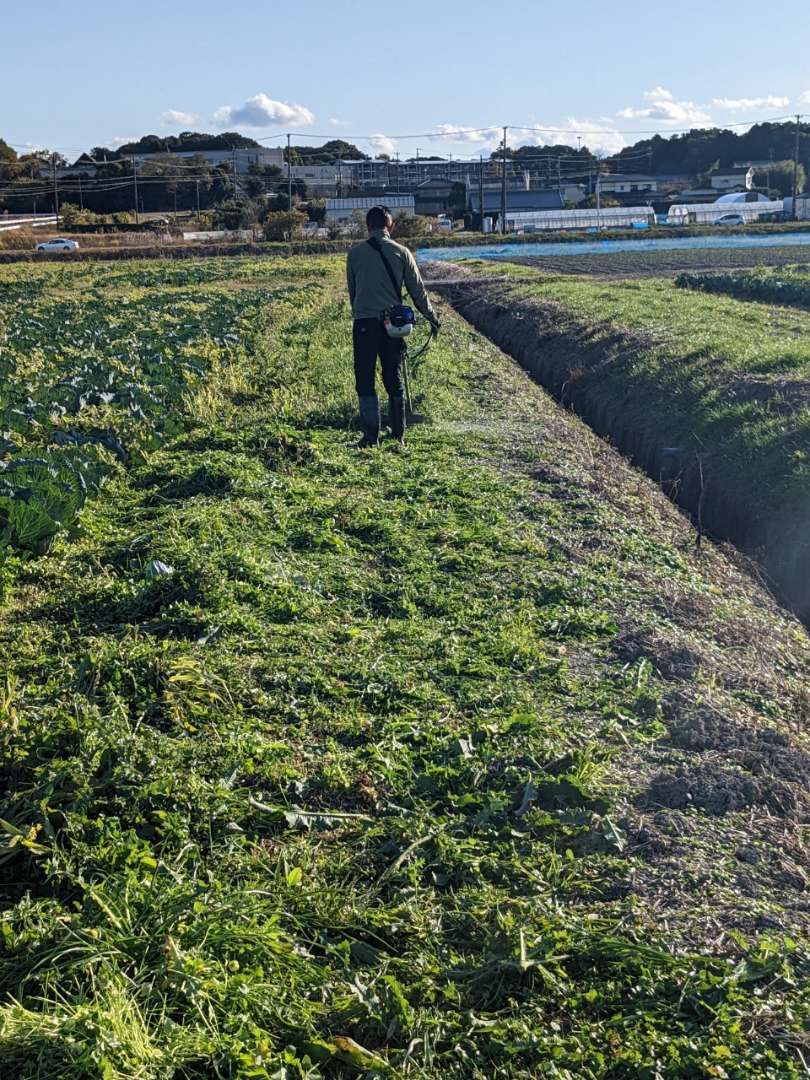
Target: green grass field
x=460 y=760
x=724 y=380
x=784 y=285
x=706 y=358
x=644 y=264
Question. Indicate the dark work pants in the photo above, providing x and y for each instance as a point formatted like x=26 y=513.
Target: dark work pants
x=371 y=341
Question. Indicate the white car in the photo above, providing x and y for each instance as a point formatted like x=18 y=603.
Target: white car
x=59 y=244
x=730 y=219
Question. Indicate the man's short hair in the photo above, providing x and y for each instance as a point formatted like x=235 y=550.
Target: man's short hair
x=378 y=217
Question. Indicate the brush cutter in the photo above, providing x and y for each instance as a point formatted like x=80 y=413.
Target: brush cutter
x=414 y=418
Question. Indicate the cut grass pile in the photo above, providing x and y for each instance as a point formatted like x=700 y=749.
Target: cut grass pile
x=458 y=761
x=783 y=285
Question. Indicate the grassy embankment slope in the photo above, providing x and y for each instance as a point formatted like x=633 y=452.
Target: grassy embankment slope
x=724 y=381
x=460 y=761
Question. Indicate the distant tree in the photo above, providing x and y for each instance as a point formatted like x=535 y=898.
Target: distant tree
x=316 y=210
x=458 y=200
x=262 y=179
x=73 y=215
x=327 y=154
x=187 y=140
x=9 y=169
x=284 y=225
x=781 y=178
x=590 y=203
x=236 y=213
x=406 y=225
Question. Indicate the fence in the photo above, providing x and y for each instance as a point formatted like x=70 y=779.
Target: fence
x=25 y=221
x=611 y=217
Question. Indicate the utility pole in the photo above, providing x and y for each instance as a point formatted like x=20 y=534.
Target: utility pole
x=481 y=187
x=233 y=168
x=55 y=189
x=796 y=168
x=135 y=182
x=81 y=196
x=598 y=201
x=197 y=182
x=289 y=179
x=503 y=185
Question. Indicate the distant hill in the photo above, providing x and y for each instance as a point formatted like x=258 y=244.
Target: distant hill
x=693 y=153
x=170 y=144
x=697 y=151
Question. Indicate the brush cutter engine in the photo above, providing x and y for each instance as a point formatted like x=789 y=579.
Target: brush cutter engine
x=399 y=321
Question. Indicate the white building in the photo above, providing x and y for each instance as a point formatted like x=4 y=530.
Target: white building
x=626 y=182
x=379 y=172
x=321 y=180
x=737 y=178
x=347 y=209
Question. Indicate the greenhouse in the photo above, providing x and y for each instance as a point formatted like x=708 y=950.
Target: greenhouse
x=612 y=217
x=709 y=213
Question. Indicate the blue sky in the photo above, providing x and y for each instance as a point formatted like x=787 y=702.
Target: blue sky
x=73 y=77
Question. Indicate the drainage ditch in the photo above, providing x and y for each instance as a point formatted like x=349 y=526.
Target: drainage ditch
x=587 y=368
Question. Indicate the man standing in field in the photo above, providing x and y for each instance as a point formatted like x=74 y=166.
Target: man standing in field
x=376 y=271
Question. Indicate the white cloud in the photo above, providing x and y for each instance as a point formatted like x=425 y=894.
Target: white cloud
x=174 y=117
x=600 y=136
x=805 y=98
x=663 y=107
x=120 y=140
x=455 y=133
x=262 y=111
x=383 y=144
x=750 y=104
x=333 y=120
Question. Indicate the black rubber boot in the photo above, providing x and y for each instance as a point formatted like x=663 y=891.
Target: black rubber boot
x=396 y=416
x=369 y=420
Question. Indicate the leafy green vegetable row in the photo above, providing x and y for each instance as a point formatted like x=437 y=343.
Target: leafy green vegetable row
x=91 y=383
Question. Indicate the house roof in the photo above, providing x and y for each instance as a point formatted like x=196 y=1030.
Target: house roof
x=544 y=199
x=734 y=170
x=435 y=182
x=627 y=178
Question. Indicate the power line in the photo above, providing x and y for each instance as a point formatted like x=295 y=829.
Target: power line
x=493 y=128
x=458 y=133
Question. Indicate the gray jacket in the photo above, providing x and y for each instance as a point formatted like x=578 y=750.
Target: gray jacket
x=370 y=289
